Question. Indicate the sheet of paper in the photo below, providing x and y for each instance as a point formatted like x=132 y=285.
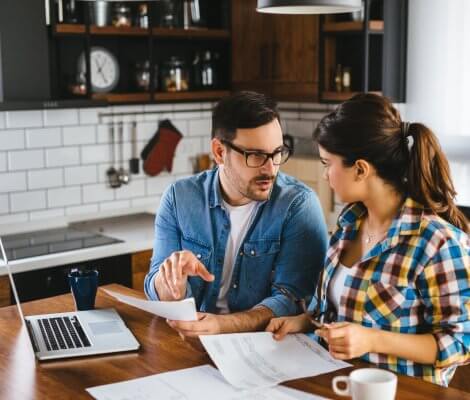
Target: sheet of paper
x=197 y=383
x=184 y=310
x=252 y=360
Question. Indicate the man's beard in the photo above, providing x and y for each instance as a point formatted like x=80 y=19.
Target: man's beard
x=250 y=190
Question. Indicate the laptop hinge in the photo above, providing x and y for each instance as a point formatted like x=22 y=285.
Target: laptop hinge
x=31 y=336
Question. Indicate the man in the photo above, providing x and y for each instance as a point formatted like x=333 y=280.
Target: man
x=228 y=236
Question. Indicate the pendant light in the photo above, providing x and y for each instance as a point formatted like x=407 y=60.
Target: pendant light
x=308 y=6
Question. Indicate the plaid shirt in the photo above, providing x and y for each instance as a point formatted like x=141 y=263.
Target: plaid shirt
x=416 y=280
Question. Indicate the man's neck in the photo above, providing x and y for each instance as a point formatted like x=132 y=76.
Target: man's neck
x=229 y=193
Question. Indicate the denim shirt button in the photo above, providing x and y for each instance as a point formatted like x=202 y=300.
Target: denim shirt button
x=252 y=252
x=241 y=253
x=234 y=285
x=198 y=256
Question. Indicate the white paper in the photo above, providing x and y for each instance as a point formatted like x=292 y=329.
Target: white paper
x=197 y=383
x=184 y=310
x=253 y=360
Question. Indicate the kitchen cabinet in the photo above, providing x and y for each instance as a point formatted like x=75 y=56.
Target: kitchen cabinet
x=274 y=54
x=140 y=262
x=310 y=172
x=372 y=47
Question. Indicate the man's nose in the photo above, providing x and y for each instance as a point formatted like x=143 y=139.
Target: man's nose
x=269 y=167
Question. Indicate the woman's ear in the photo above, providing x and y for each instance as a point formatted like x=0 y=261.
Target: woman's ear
x=218 y=151
x=363 y=169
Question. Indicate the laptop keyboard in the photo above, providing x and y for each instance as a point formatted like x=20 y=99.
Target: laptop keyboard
x=60 y=333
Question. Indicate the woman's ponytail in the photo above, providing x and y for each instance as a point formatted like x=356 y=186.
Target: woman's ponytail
x=429 y=178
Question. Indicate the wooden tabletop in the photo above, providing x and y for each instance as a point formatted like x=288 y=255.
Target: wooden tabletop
x=21 y=377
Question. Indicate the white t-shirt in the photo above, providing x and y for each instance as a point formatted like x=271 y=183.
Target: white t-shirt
x=336 y=285
x=240 y=221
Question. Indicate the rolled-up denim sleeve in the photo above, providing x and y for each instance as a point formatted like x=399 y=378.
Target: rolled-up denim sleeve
x=304 y=241
x=445 y=288
x=167 y=240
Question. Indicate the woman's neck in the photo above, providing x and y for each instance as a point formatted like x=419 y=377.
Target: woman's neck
x=382 y=205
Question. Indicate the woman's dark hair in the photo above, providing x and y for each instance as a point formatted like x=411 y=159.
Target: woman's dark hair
x=407 y=156
x=242 y=110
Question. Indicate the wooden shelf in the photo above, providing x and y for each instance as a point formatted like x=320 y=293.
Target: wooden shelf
x=340 y=96
x=70 y=29
x=199 y=95
x=160 y=96
x=122 y=97
x=352 y=26
x=193 y=33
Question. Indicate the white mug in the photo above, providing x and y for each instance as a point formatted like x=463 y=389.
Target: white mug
x=367 y=384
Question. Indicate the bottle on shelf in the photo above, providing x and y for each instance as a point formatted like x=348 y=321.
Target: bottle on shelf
x=208 y=71
x=346 y=79
x=338 y=78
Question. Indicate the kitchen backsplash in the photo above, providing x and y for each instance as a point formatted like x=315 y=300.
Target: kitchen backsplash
x=53 y=162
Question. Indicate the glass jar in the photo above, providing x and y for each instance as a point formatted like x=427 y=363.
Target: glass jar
x=143 y=16
x=122 y=16
x=174 y=75
x=142 y=76
x=169 y=14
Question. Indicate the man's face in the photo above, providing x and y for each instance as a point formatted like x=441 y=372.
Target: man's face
x=241 y=183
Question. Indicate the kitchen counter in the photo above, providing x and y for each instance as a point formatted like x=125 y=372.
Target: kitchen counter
x=136 y=232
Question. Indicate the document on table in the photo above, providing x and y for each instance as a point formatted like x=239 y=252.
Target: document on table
x=184 y=310
x=253 y=360
x=197 y=383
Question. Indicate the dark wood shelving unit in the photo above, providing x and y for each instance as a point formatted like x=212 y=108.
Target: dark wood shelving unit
x=373 y=50
x=191 y=33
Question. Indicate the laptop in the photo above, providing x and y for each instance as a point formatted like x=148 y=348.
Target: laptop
x=73 y=334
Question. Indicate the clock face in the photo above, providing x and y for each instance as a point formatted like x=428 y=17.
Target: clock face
x=104 y=69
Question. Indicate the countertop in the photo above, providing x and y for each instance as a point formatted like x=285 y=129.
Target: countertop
x=136 y=231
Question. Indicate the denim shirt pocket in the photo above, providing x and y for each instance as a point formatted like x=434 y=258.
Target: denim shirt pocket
x=384 y=303
x=203 y=254
x=257 y=264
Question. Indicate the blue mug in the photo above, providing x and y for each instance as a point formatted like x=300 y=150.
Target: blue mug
x=84 y=284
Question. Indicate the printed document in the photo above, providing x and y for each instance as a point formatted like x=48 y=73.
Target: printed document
x=184 y=310
x=197 y=383
x=253 y=360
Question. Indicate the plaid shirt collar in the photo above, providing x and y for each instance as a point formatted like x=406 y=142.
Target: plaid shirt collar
x=408 y=221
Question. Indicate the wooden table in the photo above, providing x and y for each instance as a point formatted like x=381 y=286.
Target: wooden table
x=21 y=377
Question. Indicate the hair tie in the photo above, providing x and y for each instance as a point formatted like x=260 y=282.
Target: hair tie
x=407 y=136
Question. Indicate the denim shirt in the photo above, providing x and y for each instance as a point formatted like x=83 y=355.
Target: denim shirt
x=285 y=244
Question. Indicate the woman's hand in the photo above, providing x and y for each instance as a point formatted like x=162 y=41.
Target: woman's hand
x=284 y=325
x=348 y=340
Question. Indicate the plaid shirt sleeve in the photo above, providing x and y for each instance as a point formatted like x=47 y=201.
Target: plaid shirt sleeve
x=445 y=288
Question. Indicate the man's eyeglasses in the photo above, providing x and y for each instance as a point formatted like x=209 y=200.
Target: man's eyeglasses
x=315 y=317
x=256 y=159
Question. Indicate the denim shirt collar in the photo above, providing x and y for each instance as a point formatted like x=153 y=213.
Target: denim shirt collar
x=215 y=193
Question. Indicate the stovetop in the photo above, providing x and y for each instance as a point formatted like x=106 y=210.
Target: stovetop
x=39 y=243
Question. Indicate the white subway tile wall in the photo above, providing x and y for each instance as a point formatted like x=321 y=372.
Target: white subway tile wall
x=53 y=163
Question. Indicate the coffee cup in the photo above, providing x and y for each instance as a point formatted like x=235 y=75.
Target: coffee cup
x=367 y=384
x=83 y=284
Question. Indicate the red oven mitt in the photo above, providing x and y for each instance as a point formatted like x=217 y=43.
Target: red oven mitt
x=159 y=152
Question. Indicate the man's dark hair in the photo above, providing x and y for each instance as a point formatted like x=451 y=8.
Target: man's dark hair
x=242 y=110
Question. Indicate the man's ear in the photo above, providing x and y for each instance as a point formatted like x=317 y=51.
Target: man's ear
x=218 y=151
x=363 y=169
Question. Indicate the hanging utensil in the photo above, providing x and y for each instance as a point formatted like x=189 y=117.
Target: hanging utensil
x=123 y=174
x=134 y=161
x=112 y=173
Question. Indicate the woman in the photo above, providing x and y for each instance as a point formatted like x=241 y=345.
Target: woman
x=397 y=272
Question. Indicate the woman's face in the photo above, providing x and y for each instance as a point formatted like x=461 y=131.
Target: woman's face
x=342 y=179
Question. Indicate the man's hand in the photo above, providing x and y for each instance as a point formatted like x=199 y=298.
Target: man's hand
x=170 y=282
x=284 y=325
x=348 y=340
x=206 y=324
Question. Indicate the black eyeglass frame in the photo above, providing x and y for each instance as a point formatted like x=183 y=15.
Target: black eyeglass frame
x=267 y=156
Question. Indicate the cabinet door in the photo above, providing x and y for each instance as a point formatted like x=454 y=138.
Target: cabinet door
x=294 y=56
x=140 y=267
x=250 y=47
x=4 y=291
